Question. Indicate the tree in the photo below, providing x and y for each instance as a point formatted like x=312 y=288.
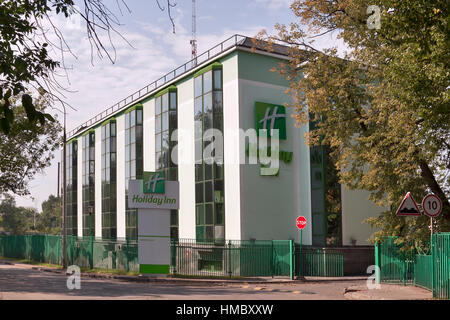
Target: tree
x=17 y=220
x=383 y=108
x=27 y=149
x=25 y=62
x=49 y=221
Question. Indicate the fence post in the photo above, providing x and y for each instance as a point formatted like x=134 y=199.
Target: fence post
x=432 y=264
x=291 y=255
x=229 y=258
x=377 y=263
x=126 y=253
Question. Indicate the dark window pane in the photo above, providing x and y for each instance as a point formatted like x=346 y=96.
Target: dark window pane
x=208 y=192
x=200 y=214
x=199 y=193
x=209 y=214
x=198 y=172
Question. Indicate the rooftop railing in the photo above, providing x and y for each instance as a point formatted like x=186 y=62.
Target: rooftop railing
x=157 y=84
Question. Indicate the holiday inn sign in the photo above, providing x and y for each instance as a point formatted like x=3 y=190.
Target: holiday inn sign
x=153 y=192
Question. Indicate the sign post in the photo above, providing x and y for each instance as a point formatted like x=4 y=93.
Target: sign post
x=301 y=224
x=432 y=207
x=154 y=198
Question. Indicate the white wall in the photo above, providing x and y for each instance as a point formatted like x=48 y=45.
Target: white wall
x=120 y=126
x=355 y=209
x=232 y=149
x=186 y=167
x=149 y=135
x=98 y=182
x=80 y=187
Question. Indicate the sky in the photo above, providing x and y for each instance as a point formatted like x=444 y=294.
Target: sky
x=151 y=50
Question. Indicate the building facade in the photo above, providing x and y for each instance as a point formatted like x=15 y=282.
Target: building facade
x=170 y=126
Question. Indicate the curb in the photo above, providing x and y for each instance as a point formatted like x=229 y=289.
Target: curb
x=170 y=280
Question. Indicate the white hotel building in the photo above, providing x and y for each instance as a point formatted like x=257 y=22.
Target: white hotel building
x=224 y=89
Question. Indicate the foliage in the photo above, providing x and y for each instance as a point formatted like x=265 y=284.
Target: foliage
x=16 y=220
x=50 y=218
x=383 y=107
x=27 y=149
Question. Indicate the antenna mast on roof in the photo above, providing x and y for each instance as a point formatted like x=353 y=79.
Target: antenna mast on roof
x=194 y=34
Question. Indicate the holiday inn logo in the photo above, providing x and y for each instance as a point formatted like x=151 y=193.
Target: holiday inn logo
x=154 y=182
x=269 y=117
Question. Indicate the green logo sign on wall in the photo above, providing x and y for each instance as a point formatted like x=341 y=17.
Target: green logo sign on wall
x=154 y=182
x=270 y=116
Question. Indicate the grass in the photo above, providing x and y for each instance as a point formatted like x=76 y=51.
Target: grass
x=206 y=277
x=26 y=261
x=83 y=269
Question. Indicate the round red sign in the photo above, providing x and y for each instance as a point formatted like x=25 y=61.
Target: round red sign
x=301 y=222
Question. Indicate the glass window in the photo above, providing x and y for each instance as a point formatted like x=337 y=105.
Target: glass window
x=207 y=81
x=198 y=90
x=165 y=102
x=173 y=100
x=165 y=121
x=218 y=79
x=198 y=108
x=139 y=116
x=158 y=123
x=158 y=142
x=158 y=105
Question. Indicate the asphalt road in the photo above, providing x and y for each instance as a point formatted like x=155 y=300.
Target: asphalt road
x=19 y=281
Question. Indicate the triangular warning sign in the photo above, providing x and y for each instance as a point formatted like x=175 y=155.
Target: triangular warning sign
x=408 y=207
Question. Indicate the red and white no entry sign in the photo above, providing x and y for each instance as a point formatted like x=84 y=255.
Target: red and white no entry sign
x=301 y=222
x=432 y=205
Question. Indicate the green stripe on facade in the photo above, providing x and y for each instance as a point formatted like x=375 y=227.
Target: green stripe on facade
x=213 y=66
x=169 y=89
x=154 y=268
x=135 y=107
x=72 y=140
x=113 y=119
x=88 y=132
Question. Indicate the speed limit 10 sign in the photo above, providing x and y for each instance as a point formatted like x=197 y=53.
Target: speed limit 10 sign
x=432 y=205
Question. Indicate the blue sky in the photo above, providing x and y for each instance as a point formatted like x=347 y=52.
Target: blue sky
x=155 y=51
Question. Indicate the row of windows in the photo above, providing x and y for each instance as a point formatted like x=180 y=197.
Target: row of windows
x=209 y=178
x=209 y=187
x=88 y=184
x=165 y=124
x=133 y=163
x=71 y=188
x=109 y=210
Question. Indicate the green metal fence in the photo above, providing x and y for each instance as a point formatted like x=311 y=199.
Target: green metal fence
x=430 y=271
x=40 y=248
x=318 y=262
x=85 y=252
x=231 y=258
x=252 y=259
x=423 y=269
x=396 y=262
x=440 y=250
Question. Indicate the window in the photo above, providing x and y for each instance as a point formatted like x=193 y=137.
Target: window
x=209 y=183
x=71 y=188
x=109 y=182
x=166 y=124
x=133 y=162
x=89 y=184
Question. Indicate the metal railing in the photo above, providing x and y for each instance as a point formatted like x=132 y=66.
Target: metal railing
x=430 y=271
x=86 y=252
x=155 y=85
